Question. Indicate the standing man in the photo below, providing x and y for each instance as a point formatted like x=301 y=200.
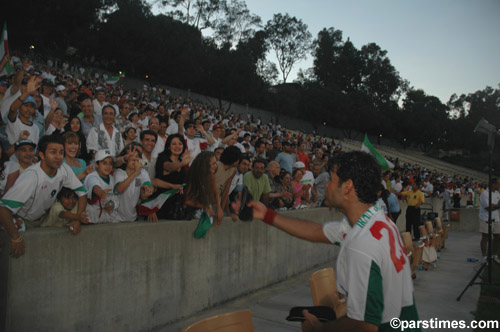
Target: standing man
x=106 y=136
x=415 y=198
x=484 y=206
x=89 y=119
x=36 y=190
x=373 y=272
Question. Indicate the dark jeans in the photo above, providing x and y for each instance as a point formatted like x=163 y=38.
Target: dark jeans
x=413 y=221
x=395 y=215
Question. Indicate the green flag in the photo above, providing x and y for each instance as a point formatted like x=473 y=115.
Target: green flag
x=4 y=50
x=368 y=147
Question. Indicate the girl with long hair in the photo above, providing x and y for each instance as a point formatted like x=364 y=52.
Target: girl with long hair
x=201 y=191
x=75 y=125
x=72 y=147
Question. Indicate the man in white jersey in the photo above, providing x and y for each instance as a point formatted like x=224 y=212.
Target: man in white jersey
x=373 y=272
x=35 y=191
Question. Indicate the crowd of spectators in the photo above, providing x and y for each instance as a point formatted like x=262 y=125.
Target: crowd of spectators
x=119 y=148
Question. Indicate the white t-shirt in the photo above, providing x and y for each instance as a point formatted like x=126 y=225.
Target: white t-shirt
x=7 y=102
x=46 y=105
x=373 y=271
x=35 y=192
x=14 y=129
x=397 y=187
x=130 y=197
x=98 y=107
x=9 y=168
x=173 y=129
x=483 y=204
x=96 y=207
x=193 y=146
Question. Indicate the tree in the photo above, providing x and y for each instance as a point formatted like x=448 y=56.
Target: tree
x=236 y=24
x=327 y=48
x=290 y=40
x=198 y=13
x=379 y=79
x=424 y=119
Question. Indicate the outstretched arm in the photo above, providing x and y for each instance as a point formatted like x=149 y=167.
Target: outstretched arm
x=302 y=229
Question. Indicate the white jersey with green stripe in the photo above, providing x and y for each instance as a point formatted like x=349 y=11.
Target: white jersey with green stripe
x=35 y=191
x=373 y=272
x=130 y=197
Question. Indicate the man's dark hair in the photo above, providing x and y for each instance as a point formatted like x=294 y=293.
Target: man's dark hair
x=230 y=155
x=259 y=142
x=245 y=156
x=362 y=169
x=148 y=132
x=46 y=140
x=189 y=123
x=260 y=160
x=82 y=97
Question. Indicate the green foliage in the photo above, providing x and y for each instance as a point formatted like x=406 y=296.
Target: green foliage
x=290 y=40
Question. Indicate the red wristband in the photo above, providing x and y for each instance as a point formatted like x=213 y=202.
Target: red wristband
x=269 y=217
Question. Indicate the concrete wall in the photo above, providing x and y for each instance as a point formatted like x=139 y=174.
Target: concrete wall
x=138 y=276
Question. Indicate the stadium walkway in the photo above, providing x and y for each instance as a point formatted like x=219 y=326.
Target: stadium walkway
x=436 y=291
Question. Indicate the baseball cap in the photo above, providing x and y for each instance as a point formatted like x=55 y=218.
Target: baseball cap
x=60 y=88
x=23 y=142
x=47 y=82
x=29 y=99
x=103 y=154
x=299 y=164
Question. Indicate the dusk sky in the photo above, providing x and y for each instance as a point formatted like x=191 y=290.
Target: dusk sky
x=440 y=46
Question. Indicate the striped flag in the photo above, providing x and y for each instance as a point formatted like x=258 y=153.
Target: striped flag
x=4 y=49
x=368 y=147
x=112 y=80
x=152 y=205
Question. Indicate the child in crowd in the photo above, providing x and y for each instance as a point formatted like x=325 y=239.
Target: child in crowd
x=132 y=183
x=64 y=210
x=102 y=203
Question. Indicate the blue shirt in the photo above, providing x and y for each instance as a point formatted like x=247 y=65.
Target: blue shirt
x=393 y=202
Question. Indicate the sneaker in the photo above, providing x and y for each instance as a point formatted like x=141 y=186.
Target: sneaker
x=496 y=259
x=483 y=259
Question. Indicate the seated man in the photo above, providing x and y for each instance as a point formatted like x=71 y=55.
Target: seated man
x=36 y=191
x=257 y=182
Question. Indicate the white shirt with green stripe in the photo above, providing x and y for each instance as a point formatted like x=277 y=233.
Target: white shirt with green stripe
x=35 y=191
x=373 y=272
x=130 y=197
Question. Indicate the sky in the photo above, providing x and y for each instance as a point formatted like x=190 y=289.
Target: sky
x=440 y=46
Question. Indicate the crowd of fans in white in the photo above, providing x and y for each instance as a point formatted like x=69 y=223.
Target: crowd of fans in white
x=75 y=150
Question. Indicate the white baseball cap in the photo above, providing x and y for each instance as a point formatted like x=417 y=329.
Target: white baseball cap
x=299 y=164
x=103 y=154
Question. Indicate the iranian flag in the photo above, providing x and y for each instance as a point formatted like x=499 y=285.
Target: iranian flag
x=152 y=205
x=368 y=147
x=112 y=80
x=4 y=49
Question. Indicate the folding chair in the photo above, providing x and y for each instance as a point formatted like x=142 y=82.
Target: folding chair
x=429 y=254
x=410 y=252
x=442 y=230
x=237 y=321
x=324 y=291
x=435 y=237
